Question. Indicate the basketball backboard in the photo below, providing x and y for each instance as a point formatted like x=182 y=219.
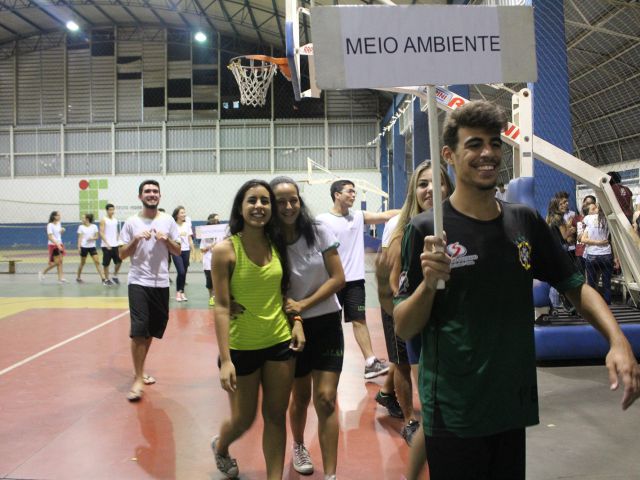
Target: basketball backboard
x=295 y=21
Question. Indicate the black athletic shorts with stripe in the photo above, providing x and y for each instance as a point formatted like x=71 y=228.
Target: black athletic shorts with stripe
x=352 y=299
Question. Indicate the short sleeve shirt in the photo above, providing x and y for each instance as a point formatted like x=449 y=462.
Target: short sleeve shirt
x=54 y=229
x=308 y=272
x=389 y=228
x=150 y=261
x=185 y=233
x=477 y=370
x=349 y=230
x=596 y=231
x=88 y=233
x=208 y=255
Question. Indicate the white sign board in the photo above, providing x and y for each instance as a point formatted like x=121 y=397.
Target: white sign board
x=217 y=232
x=379 y=46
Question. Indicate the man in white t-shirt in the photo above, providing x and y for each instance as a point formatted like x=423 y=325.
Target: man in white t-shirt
x=109 y=240
x=148 y=238
x=348 y=227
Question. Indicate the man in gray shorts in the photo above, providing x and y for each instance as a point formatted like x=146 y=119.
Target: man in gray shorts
x=148 y=238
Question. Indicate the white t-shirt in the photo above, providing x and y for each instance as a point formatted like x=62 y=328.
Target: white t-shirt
x=88 y=233
x=110 y=232
x=308 y=272
x=185 y=232
x=389 y=228
x=349 y=230
x=150 y=261
x=596 y=232
x=207 y=256
x=54 y=229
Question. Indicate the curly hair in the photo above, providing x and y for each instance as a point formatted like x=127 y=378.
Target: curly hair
x=477 y=114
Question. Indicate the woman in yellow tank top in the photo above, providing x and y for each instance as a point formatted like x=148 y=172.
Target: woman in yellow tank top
x=256 y=340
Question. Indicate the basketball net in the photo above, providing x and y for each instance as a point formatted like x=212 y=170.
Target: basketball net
x=254 y=76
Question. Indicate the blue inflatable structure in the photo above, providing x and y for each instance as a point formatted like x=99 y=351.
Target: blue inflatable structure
x=564 y=336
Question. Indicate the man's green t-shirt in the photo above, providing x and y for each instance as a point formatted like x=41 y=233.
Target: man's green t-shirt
x=477 y=369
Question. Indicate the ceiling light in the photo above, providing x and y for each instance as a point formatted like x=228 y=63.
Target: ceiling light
x=200 y=37
x=73 y=26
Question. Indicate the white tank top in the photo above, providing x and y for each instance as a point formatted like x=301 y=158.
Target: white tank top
x=111 y=231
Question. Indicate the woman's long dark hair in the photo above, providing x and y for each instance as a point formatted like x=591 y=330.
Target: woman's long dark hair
x=52 y=216
x=305 y=224
x=272 y=229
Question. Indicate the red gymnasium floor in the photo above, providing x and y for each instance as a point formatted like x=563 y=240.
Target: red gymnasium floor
x=64 y=373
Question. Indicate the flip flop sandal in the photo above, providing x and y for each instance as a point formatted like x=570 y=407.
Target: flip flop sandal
x=134 y=395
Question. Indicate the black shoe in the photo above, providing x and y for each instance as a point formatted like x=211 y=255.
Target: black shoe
x=390 y=402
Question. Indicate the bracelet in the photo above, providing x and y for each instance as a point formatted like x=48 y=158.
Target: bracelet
x=298 y=318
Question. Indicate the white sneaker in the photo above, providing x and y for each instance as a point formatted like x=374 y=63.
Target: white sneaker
x=62 y=281
x=378 y=367
x=178 y=297
x=184 y=297
x=41 y=277
x=301 y=459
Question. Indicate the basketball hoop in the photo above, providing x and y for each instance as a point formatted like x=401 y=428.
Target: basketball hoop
x=254 y=74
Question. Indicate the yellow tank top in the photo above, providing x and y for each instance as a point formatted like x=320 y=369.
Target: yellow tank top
x=263 y=322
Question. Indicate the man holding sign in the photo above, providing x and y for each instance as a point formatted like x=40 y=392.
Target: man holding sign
x=478 y=384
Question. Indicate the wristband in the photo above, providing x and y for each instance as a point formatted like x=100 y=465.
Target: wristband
x=298 y=318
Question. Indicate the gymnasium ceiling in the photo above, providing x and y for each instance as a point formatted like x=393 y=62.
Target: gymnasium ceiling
x=602 y=37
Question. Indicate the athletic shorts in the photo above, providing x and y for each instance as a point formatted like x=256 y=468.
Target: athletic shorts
x=351 y=297
x=414 y=347
x=497 y=457
x=396 y=347
x=324 y=345
x=84 y=251
x=54 y=251
x=110 y=254
x=248 y=361
x=149 y=311
x=207 y=276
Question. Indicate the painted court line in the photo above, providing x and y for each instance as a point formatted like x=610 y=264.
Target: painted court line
x=68 y=340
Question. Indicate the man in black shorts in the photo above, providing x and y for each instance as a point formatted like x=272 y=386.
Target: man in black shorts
x=148 y=238
x=110 y=242
x=478 y=384
x=348 y=227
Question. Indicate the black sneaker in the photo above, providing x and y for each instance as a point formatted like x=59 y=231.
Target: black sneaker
x=115 y=281
x=390 y=402
x=409 y=430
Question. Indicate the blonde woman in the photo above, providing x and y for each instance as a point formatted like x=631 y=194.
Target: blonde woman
x=404 y=356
